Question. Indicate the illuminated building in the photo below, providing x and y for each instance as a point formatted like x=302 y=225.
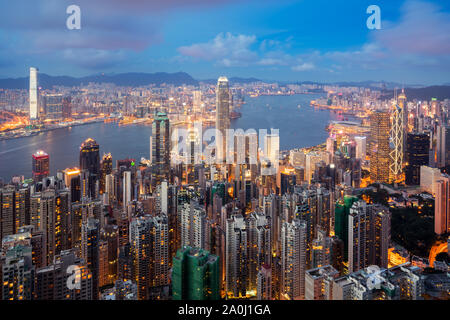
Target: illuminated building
x=7 y=197
x=361 y=147
x=236 y=257
x=417 y=155
x=397 y=137
x=443 y=145
x=288 y=180
x=161 y=147
x=428 y=179
x=41 y=165
x=51 y=281
x=90 y=251
x=90 y=161
x=223 y=105
x=264 y=283
x=53 y=106
x=126 y=189
x=150 y=253
x=319 y=283
x=105 y=169
x=17 y=273
x=442 y=205
x=195 y=275
x=368 y=236
x=259 y=250
x=34 y=110
x=72 y=181
x=110 y=234
x=293 y=259
x=379 y=147
x=193 y=225
x=321 y=250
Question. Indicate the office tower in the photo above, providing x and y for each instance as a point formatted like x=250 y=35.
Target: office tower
x=103 y=264
x=90 y=242
x=264 y=283
x=149 y=252
x=236 y=257
x=443 y=145
x=34 y=110
x=293 y=259
x=72 y=181
x=272 y=151
x=17 y=273
x=161 y=147
x=90 y=162
x=223 y=106
x=319 y=283
x=51 y=282
x=193 y=225
x=195 y=275
x=361 y=143
x=126 y=188
x=442 y=206
x=379 y=147
x=380 y=235
x=196 y=101
x=259 y=246
x=342 y=212
x=288 y=179
x=53 y=106
x=40 y=165
x=397 y=138
x=417 y=155
x=105 y=169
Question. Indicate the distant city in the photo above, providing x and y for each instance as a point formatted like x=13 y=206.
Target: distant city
x=363 y=215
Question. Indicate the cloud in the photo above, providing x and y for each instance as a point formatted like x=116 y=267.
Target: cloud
x=423 y=29
x=227 y=49
x=303 y=67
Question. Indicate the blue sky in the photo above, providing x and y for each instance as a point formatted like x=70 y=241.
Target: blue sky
x=290 y=40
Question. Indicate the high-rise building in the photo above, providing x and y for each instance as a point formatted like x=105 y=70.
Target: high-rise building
x=161 y=147
x=442 y=206
x=90 y=161
x=90 y=251
x=264 y=283
x=417 y=154
x=34 y=110
x=40 y=165
x=379 y=146
x=236 y=257
x=193 y=225
x=443 y=145
x=397 y=137
x=126 y=188
x=361 y=145
x=293 y=259
x=342 y=212
x=17 y=273
x=105 y=169
x=223 y=105
x=195 y=275
x=53 y=106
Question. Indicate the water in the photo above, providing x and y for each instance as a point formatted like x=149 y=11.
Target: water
x=299 y=127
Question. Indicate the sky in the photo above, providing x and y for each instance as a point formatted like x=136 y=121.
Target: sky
x=283 y=40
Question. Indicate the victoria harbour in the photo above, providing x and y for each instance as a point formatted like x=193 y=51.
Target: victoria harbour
x=300 y=126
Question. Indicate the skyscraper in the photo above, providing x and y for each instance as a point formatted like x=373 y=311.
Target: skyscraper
x=379 y=146
x=90 y=242
x=53 y=106
x=223 y=101
x=417 y=154
x=195 y=275
x=443 y=145
x=41 y=165
x=90 y=161
x=442 y=206
x=161 y=147
x=105 y=168
x=397 y=138
x=34 y=111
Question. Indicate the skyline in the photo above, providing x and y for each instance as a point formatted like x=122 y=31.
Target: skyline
x=281 y=41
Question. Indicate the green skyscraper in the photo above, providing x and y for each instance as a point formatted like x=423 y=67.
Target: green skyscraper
x=341 y=220
x=195 y=275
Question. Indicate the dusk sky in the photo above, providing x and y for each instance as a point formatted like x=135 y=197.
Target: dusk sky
x=269 y=39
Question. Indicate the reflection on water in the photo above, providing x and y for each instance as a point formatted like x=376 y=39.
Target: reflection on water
x=298 y=128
